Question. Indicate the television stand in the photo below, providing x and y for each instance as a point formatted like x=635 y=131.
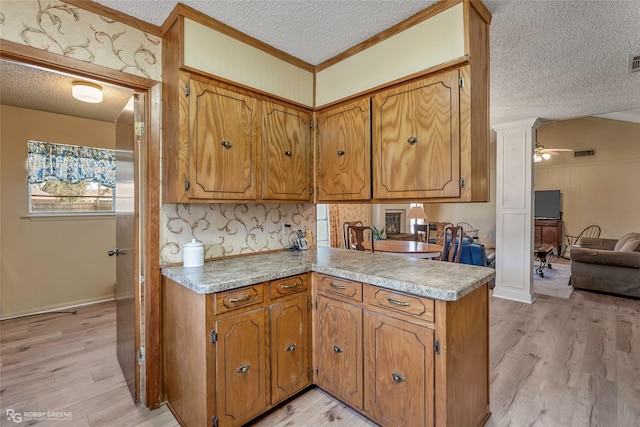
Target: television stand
x=548 y=232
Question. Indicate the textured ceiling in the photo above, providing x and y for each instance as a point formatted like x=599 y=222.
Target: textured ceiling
x=552 y=59
x=38 y=89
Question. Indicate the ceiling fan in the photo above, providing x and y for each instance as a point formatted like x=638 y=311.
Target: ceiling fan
x=542 y=153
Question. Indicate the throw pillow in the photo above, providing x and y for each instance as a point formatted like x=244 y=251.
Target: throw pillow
x=624 y=239
x=631 y=246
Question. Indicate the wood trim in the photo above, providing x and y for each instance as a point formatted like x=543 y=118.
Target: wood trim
x=210 y=22
x=153 y=295
x=116 y=15
x=29 y=55
x=463 y=60
x=153 y=308
x=389 y=32
x=247 y=90
x=482 y=10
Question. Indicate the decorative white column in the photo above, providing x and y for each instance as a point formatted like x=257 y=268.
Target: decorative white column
x=514 y=210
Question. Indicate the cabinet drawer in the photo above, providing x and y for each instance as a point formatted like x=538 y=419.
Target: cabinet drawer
x=238 y=298
x=398 y=302
x=288 y=286
x=345 y=288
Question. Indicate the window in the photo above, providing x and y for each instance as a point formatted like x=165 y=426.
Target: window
x=70 y=178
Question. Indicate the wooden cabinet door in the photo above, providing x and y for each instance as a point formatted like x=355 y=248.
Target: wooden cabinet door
x=224 y=137
x=416 y=139
x=399 y=371
x=241 y=368
x=338 y=350
x=289 y=348
x=344 y=152
x=286 y=142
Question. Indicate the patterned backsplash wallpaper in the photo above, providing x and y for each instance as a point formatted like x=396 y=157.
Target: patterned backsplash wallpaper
x=231 y=229
x=70 y=31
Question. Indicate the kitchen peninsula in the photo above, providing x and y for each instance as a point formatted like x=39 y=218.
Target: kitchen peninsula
x=404 y=341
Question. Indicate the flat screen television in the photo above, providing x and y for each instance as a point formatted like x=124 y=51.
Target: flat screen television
x=547 y=204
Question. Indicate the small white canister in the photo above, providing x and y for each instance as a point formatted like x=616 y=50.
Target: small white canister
x=193 y=254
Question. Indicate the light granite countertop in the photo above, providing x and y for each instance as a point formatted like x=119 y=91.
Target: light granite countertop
x=434 y=279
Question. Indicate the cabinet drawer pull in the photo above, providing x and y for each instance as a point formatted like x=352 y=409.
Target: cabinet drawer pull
x=337 y=349
x=244 y=298
x=340 y=152
x=339 y=287
x=396 y=302
x=295 y=285
x=412 y=140
x=291 y=348
x=242 y=369
x=397 y=378
x=226 y=144
x=288 y=153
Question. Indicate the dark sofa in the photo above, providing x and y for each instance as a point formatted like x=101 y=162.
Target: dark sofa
x=607 y=265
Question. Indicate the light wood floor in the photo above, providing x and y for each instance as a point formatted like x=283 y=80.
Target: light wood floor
x=553 y=363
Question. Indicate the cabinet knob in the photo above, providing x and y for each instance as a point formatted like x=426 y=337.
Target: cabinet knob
x=397 y=378
x=291 y=348
x=226 y=144
x=340 y=152
x=242 y=369
x=412 y=140
x=288 y=153
x=337 y=349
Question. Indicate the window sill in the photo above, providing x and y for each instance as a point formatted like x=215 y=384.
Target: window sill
x=68 y=216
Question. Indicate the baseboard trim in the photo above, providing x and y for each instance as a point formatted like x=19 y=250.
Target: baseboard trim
x=514 y=295
x=58 y=307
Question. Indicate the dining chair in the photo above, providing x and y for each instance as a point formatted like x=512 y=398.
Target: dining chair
x=357 y=236
x=469 y=230
x=421 y=232
x=438 y=227
x=345 y=236
x=590 y=231
x=452 y=247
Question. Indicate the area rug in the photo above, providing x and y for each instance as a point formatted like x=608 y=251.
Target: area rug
x=555 y=282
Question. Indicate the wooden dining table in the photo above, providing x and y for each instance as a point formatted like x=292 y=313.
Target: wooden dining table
x=405 y=248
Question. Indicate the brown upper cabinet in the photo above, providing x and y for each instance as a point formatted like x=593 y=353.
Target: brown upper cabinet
x=224 y=137
x=396 y=120
x=232 y=145
x=344 y=152
x=416 y=149
x=287 y=153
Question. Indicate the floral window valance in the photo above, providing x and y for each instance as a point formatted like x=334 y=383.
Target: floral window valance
x=70 y=163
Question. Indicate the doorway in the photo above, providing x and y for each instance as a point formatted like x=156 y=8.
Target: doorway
x=47 y=101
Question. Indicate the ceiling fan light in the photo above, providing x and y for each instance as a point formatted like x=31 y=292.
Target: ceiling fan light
x=87 y=92
x=546 y=156
x=537 y=158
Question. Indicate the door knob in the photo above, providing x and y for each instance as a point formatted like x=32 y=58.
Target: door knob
x=116 y=252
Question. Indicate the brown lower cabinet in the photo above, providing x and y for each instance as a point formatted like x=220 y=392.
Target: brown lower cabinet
x=241 y=361
x=338 y=351
x=230 y=356
x=399 y=359
x=398 y=371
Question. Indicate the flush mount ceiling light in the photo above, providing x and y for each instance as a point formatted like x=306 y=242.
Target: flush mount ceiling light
x=87 y=92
